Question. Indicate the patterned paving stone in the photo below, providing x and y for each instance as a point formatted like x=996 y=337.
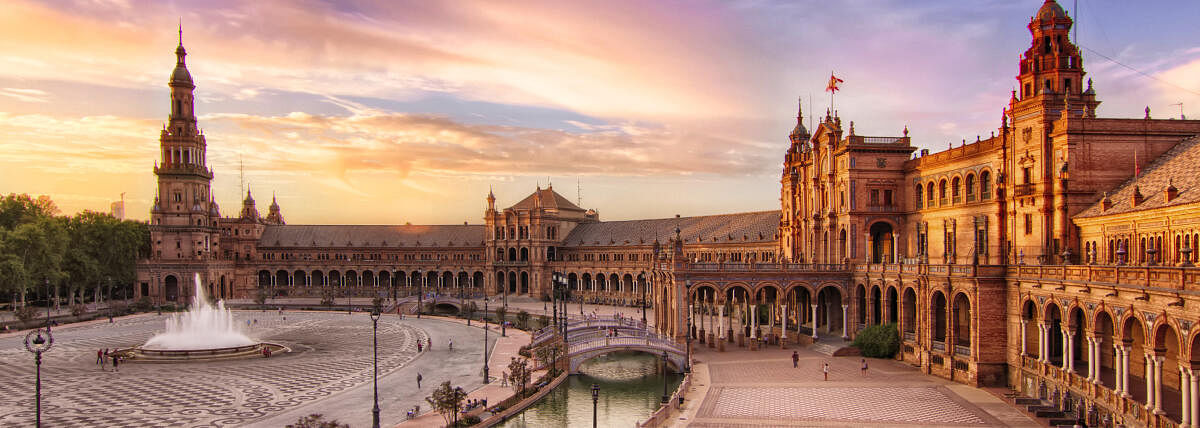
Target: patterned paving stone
x=915 y=405
x=332 y=354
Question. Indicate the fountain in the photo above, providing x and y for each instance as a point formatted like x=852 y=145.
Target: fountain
x=203 y=332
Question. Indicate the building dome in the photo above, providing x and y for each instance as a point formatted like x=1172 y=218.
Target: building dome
x=1051 y=10
x=181 y=77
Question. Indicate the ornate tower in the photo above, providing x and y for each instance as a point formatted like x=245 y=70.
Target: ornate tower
x=792 y=221
x=1051 y=89
x=183 y=220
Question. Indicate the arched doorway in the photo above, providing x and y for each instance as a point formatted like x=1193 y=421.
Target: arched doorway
x=876 y=306
x=1103 y=331
x=829 y=311
x=171 y=288
x=1054 y=339
x=962 y=324
x=524 y=282
x=860 y=297
x=892 y=305
x=223 y=295
x=1134 y=339
x=1078 y=332
x=512 y=283
x=910 y=314
x=881 y=243
x=937 y=306
x=499 y=282
x=1166 y=348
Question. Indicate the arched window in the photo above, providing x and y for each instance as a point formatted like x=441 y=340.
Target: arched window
x=970 y=187
x=985 y=186
x=956 y=190
x=920 y=193
x=942 y=192
x=929 y=191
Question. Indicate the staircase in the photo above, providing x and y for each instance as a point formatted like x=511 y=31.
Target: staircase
x=1044 y=410
x=834 y=347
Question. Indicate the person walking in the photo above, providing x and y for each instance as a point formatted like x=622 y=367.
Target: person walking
x=419 y=381
x=795 y=359
x=864 y=366
x=420 y=347
x=450 y=346
x=116 y=360
x=826 y=370
x=100 y=357
x=429 y=344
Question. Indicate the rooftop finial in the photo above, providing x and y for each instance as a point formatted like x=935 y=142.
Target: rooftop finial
x=181 y=31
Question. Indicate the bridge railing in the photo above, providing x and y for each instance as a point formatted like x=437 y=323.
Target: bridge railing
x=653 y=342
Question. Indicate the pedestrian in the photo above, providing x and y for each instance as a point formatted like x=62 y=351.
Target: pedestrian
x=429 y=343
x=503 y=378
x=864 y=366
x=419 y=347
x=795 y=359
x=450 y=346
x=826 y=370
x=116 y=360
x=99 y=356
x=419 y=380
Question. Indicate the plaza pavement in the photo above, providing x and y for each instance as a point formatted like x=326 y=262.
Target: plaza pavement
x=329 y=372
x=742 y=389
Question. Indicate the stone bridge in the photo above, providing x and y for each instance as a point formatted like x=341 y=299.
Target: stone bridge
x=591 y=338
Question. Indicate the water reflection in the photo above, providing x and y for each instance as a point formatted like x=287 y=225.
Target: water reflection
x=631 y=388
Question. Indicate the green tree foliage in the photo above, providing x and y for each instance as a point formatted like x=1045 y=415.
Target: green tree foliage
x=878 y=341
x=88 y=253
x=523 y=320
x=317 y=420
x=447 y=400
x=519 y=374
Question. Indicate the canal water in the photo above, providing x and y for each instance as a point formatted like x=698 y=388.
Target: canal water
x=631 y=388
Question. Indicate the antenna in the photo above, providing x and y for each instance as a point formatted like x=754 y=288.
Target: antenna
x=579 y=192
x=1180 y=104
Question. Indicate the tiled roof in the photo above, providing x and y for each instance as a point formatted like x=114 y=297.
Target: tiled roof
x=753 y=227
x=551 y=200
x=1177 y=166
x=372 y=236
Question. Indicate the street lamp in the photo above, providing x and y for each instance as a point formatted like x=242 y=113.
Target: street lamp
x=595 y=400
x=420 y=293
x=687 y=362
x=554 y=297
x=485 y=339
x=36 y=344
x=665 y=397
x=643 y=281
x=375 y=362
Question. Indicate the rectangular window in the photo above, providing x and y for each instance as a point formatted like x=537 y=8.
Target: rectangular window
x=887 y=197
x=874 y=197
x=1027 y=174
x=1028 y=224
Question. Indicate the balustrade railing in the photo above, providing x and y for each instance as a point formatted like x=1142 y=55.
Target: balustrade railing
x=939 y=346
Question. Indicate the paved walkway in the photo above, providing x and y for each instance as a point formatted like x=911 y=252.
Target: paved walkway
x=504 y=349
x=761 y=388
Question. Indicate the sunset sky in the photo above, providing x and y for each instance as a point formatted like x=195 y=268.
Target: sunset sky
x=389 y=112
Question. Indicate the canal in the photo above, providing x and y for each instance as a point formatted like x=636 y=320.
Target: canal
x=631 y=388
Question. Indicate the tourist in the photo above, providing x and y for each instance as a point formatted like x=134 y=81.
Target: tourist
x=419 y=380
x=116 y=360
x=100 y=356
x=429 y=343
x=826 y=370
x=450 y=346
x=419 y=347
x=795 y=359
x=864 y=366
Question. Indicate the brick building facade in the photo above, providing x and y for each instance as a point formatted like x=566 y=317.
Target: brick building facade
x=1033 y=258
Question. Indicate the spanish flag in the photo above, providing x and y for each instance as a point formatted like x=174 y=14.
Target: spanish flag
x=833 y=83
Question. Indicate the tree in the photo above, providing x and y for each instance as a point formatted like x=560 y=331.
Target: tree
x=548 y=355
x=316 y=420
x=447 y=400
x=523 y=320
x=878 y=341
x=501 y=313
x=518 y=374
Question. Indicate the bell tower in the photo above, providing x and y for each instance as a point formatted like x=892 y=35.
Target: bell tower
x=184 y=216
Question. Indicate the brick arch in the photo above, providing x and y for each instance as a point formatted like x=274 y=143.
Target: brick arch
x=890 y=222
x=837 y=287
x=764 y=284
x=1124 y=322
x=1037 y=309
x=797 y=284
x=1163 y=320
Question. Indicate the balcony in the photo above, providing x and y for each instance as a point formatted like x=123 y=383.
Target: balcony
x=882 y=208
x=939 y=346
x=512 y=263
x=1023 y=190
x=767 y=267
x=1165 y=277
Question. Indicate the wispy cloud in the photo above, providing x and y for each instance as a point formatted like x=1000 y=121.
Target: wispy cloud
x=26 y=95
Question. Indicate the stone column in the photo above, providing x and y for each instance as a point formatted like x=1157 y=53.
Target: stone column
x=1148 y=360
x=845 y=322
x=783 y=326
x=1124 y=351
x=1042 y=346
x=1194 y=396
x=1024 y=351
x=814 y=319
x=1158 y=368
x=1185 y=398
x=1091 y=358
x=1069 y=351
x=721 y=321
x=753 y=321
x=895 y=247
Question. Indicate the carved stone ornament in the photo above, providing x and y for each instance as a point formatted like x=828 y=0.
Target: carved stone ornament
x=1027 y=134
x=1185 y=326
x=1090 y=306
x=1041 y=300
x=1119 y=311
x=881 y=162
x=1150 y=317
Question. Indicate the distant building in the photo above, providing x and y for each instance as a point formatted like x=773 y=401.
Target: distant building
x=117 y=209
x=1032 y=258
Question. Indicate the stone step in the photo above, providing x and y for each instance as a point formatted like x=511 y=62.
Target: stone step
x=1026 y=401
x=1060 y=422
x=1048 y=414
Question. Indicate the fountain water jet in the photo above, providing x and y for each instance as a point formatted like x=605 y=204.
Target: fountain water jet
x=201 y=327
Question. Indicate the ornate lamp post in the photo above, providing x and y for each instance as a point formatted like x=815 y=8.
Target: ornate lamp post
x=666 y=397
x=643 y=277
x=36 y=344
x=375 y=362
x=595 y=401
x=485 y=339
x=554 y=280
x=420 y=293
x=687 y=363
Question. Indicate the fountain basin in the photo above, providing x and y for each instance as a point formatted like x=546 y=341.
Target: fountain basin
x=142 y=355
